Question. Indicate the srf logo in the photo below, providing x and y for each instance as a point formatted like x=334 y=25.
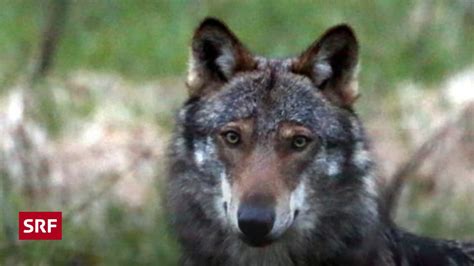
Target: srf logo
x=40 y=225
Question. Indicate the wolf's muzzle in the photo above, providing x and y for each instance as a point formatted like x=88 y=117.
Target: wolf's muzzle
x=256 y=223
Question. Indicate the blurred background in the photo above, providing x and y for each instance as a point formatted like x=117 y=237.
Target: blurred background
x=88 y=90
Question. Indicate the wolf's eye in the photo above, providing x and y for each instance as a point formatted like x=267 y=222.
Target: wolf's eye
x=232 y=137
x=300 y=142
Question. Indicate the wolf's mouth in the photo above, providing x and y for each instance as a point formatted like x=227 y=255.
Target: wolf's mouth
x=256 y=242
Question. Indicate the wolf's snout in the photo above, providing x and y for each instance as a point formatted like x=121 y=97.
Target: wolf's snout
x=255 y=222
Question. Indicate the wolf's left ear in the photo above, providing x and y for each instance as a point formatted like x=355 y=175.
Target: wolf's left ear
x=216 y=56
x=331 y=63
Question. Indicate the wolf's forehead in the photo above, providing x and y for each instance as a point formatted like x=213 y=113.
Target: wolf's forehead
x=270 y=97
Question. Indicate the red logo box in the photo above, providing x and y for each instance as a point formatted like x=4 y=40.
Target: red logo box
x=40 y=225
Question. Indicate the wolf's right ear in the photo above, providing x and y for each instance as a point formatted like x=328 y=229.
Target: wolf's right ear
x=216 y=56
x=331 y=63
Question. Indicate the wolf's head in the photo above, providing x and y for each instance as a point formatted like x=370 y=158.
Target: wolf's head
x=277 y=139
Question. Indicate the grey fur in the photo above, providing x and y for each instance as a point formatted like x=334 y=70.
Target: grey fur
x=341 y=222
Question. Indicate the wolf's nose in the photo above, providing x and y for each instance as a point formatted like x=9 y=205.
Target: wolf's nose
x=255 y=222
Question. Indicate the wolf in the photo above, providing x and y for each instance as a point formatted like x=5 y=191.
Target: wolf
x=269 y=163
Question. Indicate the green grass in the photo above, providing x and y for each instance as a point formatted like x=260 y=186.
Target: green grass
x=443 y=214
x=124 y=236
x=149 y=39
